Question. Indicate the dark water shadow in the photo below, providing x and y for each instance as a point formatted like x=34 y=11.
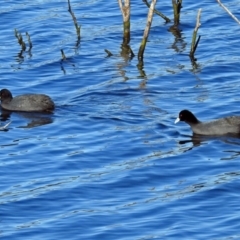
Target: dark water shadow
x=34 y=119
x=198 y=140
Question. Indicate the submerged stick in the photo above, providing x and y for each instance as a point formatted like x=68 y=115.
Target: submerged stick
x=125 y=9
x=18 y=36
x=63 y=55
x=78 y=28
x=109 y=54
x=157 y=12
x=177 y=5
x=228 y=11
x=194 y=37
x=3 y=128
x=146 y=32
x=29 y=41
x=20 y=39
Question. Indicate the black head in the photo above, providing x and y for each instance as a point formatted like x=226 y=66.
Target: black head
x=5 y=95
x=187 y=116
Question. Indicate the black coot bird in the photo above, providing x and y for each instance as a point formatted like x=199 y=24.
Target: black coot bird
x=222 y=126
x=26 y=102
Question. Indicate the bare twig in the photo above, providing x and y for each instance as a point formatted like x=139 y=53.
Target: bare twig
x=29 y=41
x=125 y=9
x=63 y=55
x=78 y=28
x=194 y=37
x=177 y=5
x=228 y=11
x=109 y=54
x=20 y=39
x=4 y=128
x=157 y=12
x=146 y=31
x=18 y=36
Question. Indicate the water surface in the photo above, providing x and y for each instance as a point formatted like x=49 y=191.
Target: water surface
x=110 y=163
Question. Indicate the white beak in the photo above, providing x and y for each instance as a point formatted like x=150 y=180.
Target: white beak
x=177 y=120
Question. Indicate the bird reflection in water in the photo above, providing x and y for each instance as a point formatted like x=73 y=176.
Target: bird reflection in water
x=35 y=119
x=198 y=140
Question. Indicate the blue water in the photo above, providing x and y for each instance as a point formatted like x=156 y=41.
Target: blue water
x=110 y=163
